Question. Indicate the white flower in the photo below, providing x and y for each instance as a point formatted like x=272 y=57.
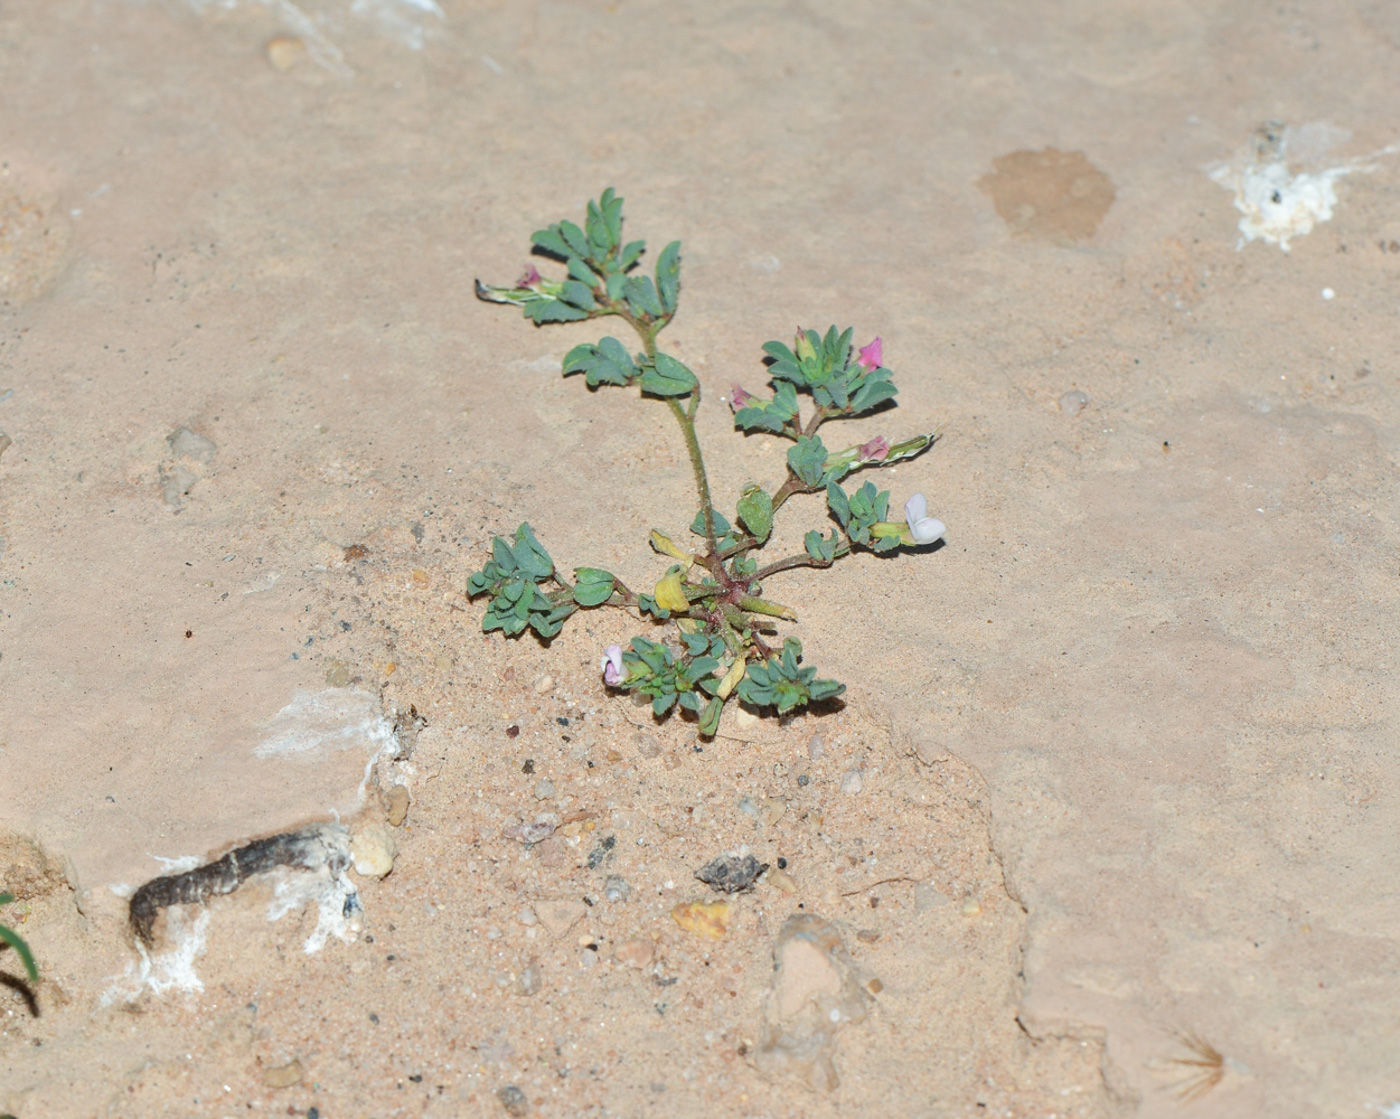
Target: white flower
x=612 y=665
x=922 y=528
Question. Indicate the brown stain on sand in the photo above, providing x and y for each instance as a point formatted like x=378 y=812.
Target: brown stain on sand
x=1049 y=195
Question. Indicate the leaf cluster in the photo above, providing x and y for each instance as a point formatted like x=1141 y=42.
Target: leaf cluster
x=688 y=679
x=857 y=513
x=515 y=578
x=783 y=683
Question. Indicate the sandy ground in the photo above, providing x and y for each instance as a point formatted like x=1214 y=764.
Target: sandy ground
x=1116 y=766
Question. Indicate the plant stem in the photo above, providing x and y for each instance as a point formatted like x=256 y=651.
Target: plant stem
x=803 y=560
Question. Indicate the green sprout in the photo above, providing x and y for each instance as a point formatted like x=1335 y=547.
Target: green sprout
x=15 y=941
x=712 y=596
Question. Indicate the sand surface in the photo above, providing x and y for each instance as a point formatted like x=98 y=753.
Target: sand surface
x=1115 y=773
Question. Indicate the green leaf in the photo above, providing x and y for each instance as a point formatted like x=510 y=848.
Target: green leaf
x=759 y=419
x=838 y=503
x=641 y=296
x=630 y=253
x=550 y=241
x=611 y=206
x=820 y=548
x=593 y=586
x=668 y=276
x=15 y=941
x=583 y=274
x=607 y=363
x=573 y=237
x=668 y=377
x=578 y=294
x=756 y=512
x=870 y=394
x=647 y=604
x=808 y=460
x=722 y=526
x=553 y=310
x=530 y=557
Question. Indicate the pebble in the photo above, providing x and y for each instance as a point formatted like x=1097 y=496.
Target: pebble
x=527 y=917
x=971 y=907
x=772 y=810
x=545 y=790
x=647 y=745
x=514 y=1101
x=1074 y=402
x=744 y=720
x=616 y=888
x=927 y=896
x=529 y=833
x=853 y=782
x=558 y=915
x=530 y=979
x=373 y=848
x=707 y=919
x=780 y=769
x=543 y=685
x=284 y=1076
x=816 y=747
x=748 y=806
x=732 y=872
x=398 y=805
x=185 y=443
x=637 y=952
x=285 y=51
x=337 y=674
x=782 y=880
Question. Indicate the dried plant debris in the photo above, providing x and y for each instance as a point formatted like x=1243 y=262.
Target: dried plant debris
x=1196 y=1073
x=732 y=872
x=323 y=846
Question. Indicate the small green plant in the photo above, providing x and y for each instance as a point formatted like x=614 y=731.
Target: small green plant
x=15 y=941
x=713 y=596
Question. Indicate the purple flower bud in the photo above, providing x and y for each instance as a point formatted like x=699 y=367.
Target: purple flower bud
x=870 y=356
x=612 y=666
x=877 y=450
x=530 y=279
x=739 y=397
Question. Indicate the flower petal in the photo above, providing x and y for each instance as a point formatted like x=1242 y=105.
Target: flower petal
x=915 y=509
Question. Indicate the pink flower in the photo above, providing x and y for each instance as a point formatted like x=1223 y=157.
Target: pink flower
x=739 y=397
x=876 y=450
x=870 y=356
x=612 y=666
x=530 y=279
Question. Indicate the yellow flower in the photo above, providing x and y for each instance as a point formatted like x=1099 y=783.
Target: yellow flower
x=670 y=592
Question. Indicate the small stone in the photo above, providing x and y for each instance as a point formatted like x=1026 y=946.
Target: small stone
x=853 y=782
x=927 y=896
x=707 y=919
x=527 y=917
x=816 y=747
x=971 y=907
x=514 y=1101
x=748 y=806
x=647 y=746
x=543 y=685
x=284 y=1076
x=559 y=915
x=530 y=980
x=337 y=674
x=373 y=848
x=616 y=889
x=637 y=952
x=780 y=769
x=781 y=880
x=398 y=805
x=771 y=811
x=545 y=790
x=868 y=936
x=1074 y=402
x=744 y=720
x=285 y=51
x=529 y=833
x=732 y=872
x=185 y=443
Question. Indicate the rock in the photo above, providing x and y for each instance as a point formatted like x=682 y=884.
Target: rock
x=543 y=685
x=707 y=919
x=284 y=1076
x=398 y=805
x=514 y=1101
x=545 y=790
x=927 y=896
x=853 y=782
x=529 y=833
x=816 y=747
x=732 y=872
x=817 y=990
x=530 y=979
x=781 y=880
x=637 y=952
x=285 y=51
x=1074 y=402
x=771 y=810
x=558 y=915
x=971 y=907
x=616 y=888
x=372 y=848
x=185 y=443
x=647 y=746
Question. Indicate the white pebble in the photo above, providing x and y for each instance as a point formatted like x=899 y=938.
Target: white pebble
x=1328 y=293
x=1074 y=402
x=853 y=782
